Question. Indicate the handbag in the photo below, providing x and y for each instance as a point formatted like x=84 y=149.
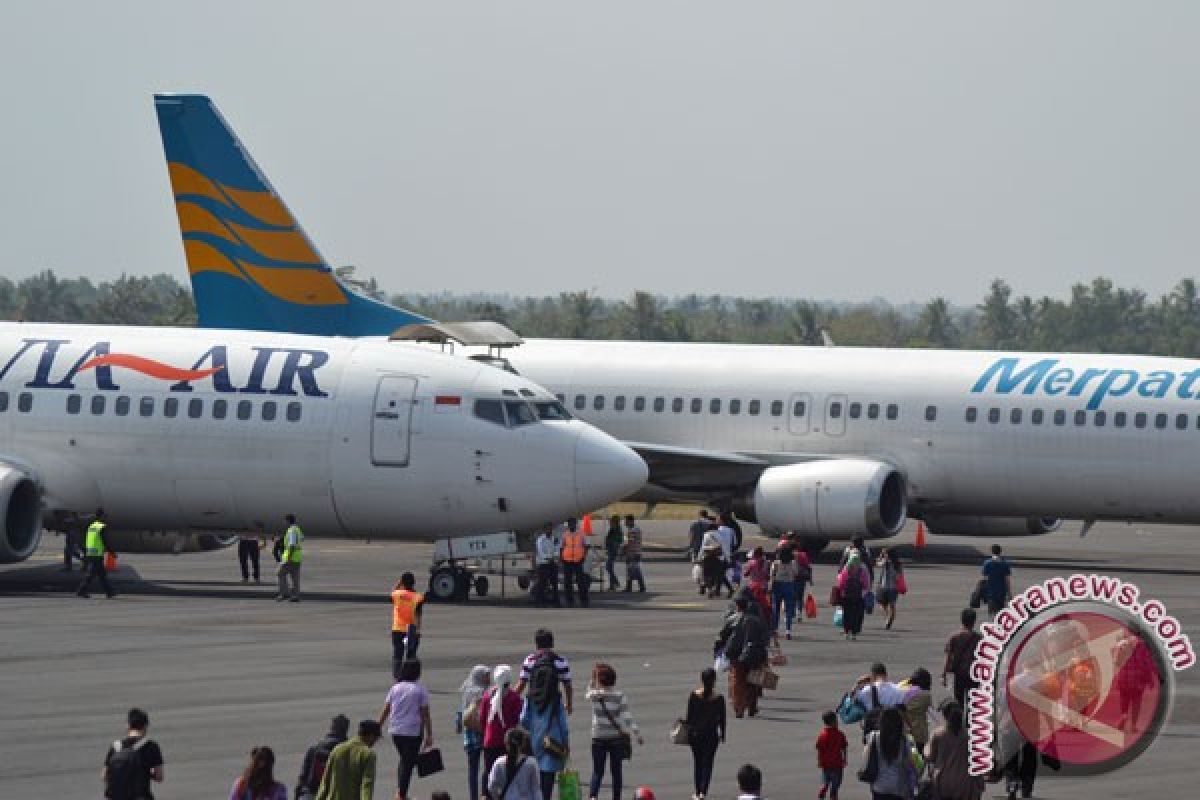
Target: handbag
x=470 y=718
x=810 y=606
x=835 y=595
x=429 y=763
x=763 y=677
x=901 y=583
x=622 y=747
x=851 y=709
x=777 y=658
x=869 y=601
x=681 y=732
x=870 y=770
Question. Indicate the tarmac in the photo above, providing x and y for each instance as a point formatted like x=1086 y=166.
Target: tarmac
x=221 y=668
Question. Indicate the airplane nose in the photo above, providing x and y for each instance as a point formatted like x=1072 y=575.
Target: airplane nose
x=605 y=469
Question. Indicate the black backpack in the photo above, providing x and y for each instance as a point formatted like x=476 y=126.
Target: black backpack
x=318 y=764
x=543 y=680
x=126 y=778
x=871 y=720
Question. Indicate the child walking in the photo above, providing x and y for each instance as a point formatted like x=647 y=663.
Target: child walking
x=831 y=756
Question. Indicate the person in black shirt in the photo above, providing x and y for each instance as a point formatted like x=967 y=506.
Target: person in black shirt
x=133 y=761
x=316 y=758
x=706 y=728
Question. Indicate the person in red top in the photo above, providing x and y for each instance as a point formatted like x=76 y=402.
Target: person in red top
x=831 y=756
x=499 y=711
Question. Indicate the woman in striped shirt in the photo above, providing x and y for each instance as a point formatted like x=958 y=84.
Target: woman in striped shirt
x=613 y=728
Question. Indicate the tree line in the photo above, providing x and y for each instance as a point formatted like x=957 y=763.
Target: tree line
x=1096 y=317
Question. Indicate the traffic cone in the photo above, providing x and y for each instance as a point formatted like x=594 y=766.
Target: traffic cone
x=587 y=525
x=920 y=535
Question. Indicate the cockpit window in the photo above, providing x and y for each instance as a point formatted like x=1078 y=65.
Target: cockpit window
x=550 y=410
x=490 y=410
x=519 y=413
x=527 y=393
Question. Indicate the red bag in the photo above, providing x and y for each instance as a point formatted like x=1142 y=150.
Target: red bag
x=110 y=562
x=835 y=595
x=901 y=583
x=810 y=606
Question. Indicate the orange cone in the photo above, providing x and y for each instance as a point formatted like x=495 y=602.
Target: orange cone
x=920 y=534
x=587 y=525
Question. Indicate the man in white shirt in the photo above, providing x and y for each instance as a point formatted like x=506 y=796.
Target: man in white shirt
x=546 y=560
x=889 y=694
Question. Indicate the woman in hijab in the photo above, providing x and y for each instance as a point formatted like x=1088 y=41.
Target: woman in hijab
x=854 y=581
x=499 y=712
x=471 y=722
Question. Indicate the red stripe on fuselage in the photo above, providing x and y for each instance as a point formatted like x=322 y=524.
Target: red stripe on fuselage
x=148 y=366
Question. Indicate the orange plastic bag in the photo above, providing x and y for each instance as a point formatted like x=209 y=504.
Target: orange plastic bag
x=110 y=562
x=810 y=606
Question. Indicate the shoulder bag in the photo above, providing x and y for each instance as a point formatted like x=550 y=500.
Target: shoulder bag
x=870 y=770
x=623 y=746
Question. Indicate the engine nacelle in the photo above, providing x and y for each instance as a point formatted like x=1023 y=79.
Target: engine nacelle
x=995 y=527
x=834 y=499
x=20 y=515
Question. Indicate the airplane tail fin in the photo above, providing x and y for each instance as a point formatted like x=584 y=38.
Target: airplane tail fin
x=251 y=264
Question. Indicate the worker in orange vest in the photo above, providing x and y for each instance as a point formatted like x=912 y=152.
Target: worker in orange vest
x=573 y=555
x=407 y=605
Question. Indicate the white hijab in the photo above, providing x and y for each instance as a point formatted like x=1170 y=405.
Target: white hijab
x=502 y=683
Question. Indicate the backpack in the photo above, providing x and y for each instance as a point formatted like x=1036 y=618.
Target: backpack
x=543 y=680
x=318 y=764
x=126 y=778
x=871 y=719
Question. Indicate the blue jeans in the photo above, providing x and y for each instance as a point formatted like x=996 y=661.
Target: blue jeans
x=831 y=780
x=605 y=750
x=784 y=594
x=474 y=756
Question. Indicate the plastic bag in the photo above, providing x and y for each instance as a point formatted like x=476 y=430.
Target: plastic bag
x=810 y=606
x=568 y=785
x=838 y=617
x=698 y=574
x=110 y=562
x=901 y=584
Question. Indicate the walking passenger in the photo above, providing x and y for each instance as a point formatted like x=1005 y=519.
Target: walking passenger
x=960 y=655
x=406 y=714
x=888 y=572
x=350 y=774
x=95 y=545
x=696 y=533
x=890 y=749
x=712 y=560
x=470 y=711
x=783 y=589
x=546 y=557
x=859 y=545
x=853 y=582
x=744 y=640
x=832 y=750
x=705 y=720
x=804 y=573
x=546 y=720
x=757 y=577
x=614 y=540
x=257 y=781
x=633 y=555
x=997 y=574
x=500 y=712
x=515 y=775
x=290 y=558
x=545 y=673
x=316 y=758
x=133 y=761
x=249 y=545
x=916 y=702
x=949 y=758
x=573 y=554
x=613 y=729
x=407 y=607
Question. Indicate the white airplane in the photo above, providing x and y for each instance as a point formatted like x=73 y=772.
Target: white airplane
x=203 y=430
x=827 y=441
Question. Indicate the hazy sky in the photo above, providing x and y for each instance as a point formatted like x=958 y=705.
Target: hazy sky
x=828 y=150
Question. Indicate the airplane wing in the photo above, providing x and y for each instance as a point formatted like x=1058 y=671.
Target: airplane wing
x=686 y=470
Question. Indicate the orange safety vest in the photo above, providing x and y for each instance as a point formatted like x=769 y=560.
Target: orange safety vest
x=404 y=608
x=573 y=548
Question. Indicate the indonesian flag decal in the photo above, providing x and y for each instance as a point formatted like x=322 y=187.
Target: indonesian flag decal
x=447 y=403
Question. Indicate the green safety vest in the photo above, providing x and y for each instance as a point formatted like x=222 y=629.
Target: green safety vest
x=293 y=553
x=94 y=544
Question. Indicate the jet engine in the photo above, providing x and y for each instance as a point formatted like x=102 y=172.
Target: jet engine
x=995 y=527
x=21 y=503
x=833 y=499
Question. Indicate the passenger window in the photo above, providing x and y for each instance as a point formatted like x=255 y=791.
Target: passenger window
x=1060 y=417
x=490 y=410
x=777 y=408
x=993 y=415
x=245 y=409
x=972 y=414
x=893 y=411
x=619 y=403
x=519 y=413
x=930 y=413
x=639 y=404
x=1181 y=421
x=598 y=402
x=714 y=406
x=1160 y=421
x=552 y=411
x=800 y=408
x=3 y=402
x=268 y=410
x=146 y=407
x=122 y=406
x=1139 y=419
x=873 y=411
x=855 y=410
x=220 y=408
x=835 y=410
x=1036 y=416
x=677 y=405
x=735 y=406
x=753 y=407
x=97 y=404
x=697 y=405
x=1081 y=418
x=1119 y=419
x=74 y=403
x=660 y=404
x=294 y=410
x=580 y=402
x=170 y=407
x=1100 y=419
x=196 y=408
x=25 y=402
x=1014 y=416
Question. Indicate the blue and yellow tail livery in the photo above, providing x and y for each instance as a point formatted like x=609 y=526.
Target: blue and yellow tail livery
x=251 y=264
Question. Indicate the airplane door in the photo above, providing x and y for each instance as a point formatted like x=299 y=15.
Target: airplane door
x=835 y=414
x=798 y=413
x=392 y=421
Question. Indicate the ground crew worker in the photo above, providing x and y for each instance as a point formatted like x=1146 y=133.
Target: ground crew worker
x=289 y=561
x=95 y=545
x=407 y=607
x=248 y=549
x=573 y=553
x=545 y=590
